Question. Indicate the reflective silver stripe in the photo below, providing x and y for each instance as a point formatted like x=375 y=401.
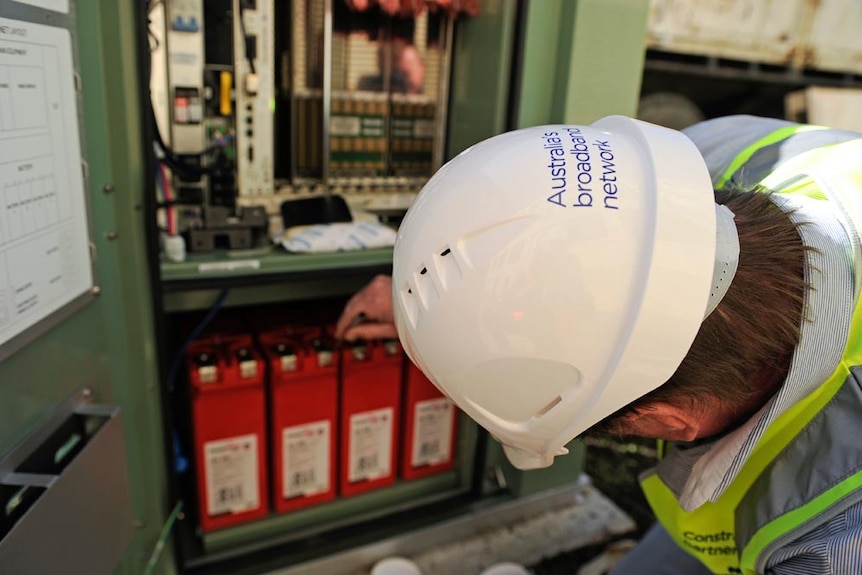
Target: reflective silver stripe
x=765 y=160
x=823 y=455
x=721 y=140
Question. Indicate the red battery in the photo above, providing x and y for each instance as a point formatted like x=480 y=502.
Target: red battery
x=429 y=427
x=370 y=406
x=303 y=385
x=229 y=427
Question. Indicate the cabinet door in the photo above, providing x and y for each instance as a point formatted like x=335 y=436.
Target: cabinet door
x=81 y=447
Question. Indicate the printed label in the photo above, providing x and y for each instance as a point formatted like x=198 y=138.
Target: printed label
x=432 y=432
x=581 y=173
x=229 y=266
x=231 y=474
x=345 y=125
x=306 y=459
x=424 y=128
x=370 y=445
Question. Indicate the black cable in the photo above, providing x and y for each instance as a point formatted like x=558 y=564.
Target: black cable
x=178 y=359
x=245 y=37
x=180 y=166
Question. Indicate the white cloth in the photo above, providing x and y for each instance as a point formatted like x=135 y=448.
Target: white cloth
x=337 y=237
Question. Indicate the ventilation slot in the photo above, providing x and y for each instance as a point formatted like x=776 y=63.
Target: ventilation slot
x=447 y=267
x=549 y=407
x=411 y=306
x=425 y=288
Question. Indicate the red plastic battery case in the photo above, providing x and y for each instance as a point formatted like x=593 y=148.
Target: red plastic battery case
x=370 y=416
x=429 y=427
x=303 y=386
x=229 y=430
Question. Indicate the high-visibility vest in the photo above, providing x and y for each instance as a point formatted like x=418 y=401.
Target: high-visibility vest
x=807 y=466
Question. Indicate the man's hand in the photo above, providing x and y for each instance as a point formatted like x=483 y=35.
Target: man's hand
x=368 y=314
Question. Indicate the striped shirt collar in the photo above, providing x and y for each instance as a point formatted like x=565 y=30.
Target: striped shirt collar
x=703 y=473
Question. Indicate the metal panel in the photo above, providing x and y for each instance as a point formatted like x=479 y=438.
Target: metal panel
x=111 y=36
x=481 y=71
x=605 y=59
x=751 y=30
x=107 y=346
x=254 y=115
x=83 y=516
x=835 y=40
x=31 y=387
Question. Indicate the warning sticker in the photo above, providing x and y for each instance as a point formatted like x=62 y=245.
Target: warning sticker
x=231 y=474
x=432 y=432
x=370 y=445
x=306 y=459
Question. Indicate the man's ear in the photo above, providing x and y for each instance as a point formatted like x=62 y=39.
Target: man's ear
x=665 y=421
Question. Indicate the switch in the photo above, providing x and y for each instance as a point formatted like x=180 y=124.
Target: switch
x=225 y=83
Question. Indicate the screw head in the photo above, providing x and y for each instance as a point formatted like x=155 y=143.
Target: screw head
x=97 y=290
x=108 y=188
x=111 y=235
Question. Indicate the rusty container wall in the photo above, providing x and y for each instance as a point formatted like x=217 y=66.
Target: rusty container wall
x=767 y=31
x=835 y=39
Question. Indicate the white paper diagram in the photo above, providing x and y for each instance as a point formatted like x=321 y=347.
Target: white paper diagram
x=44 y=233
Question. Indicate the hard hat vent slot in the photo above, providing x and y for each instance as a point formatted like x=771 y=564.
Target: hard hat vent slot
x=411 y=306
x=554 y=403
x=425 y=288
x=448 y=268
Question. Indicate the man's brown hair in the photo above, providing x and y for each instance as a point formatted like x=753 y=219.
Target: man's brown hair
x=743 y=349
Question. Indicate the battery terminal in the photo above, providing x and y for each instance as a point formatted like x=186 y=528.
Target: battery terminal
x=324 y=353
x=287 y=357
x=207 y=370
x=247 y=364
x=391 y=347
x=359 y=353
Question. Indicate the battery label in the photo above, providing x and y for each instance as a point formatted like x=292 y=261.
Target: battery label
x=432 y=432
x=306 y=459
x=231 y=470
x=370 y=445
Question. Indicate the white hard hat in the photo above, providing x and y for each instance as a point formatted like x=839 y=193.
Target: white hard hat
x=549 y=276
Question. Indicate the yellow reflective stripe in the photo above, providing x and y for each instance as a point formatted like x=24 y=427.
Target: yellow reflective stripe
x=790 y=521
x=745 y=155
x=705 y=533
x=783 y=429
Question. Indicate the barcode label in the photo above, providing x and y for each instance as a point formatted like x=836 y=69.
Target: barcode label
x=432 y=432
x=306 y=459
x=370 y=445
x=231 y=475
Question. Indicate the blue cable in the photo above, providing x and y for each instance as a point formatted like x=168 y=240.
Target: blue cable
x=178 y=360
x=181 y=462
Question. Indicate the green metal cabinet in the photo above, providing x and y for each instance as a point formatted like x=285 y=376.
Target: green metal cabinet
x=103 y=353
x=518 y=63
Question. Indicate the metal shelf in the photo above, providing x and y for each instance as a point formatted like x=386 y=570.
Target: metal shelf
x=267 y=276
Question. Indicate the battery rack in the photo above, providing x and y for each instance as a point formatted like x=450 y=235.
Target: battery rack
x=254 y=369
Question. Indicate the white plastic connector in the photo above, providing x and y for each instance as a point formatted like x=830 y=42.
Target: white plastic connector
x=174 y=248
x=252 y=84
